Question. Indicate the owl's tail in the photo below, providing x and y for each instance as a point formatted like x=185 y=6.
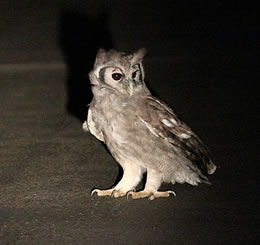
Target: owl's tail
x=211 y=167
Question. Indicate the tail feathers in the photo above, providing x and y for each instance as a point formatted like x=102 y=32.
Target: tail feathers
x=211 y=167
x=204 y=179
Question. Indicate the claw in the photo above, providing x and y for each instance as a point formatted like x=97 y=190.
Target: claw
x=161 y=194
x=172 y=192
x=130 y=193
x=152 y=197
x=94 y=191
x=117 y=193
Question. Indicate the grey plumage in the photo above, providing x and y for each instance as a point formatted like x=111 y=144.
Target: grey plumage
x=141 y=131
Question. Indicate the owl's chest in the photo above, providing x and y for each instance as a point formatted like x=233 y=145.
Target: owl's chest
x=118 y=120
x=119 y=123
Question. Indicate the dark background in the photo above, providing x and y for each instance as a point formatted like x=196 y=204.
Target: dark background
x=202 y=60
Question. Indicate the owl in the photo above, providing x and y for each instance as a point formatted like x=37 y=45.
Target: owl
x=143 y=134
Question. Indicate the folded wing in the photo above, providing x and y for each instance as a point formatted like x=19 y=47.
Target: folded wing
x=163 y=123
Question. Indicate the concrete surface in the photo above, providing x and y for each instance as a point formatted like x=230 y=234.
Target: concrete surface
x=201 y=61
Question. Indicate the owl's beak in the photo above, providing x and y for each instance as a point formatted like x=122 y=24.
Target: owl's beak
x=130 y=88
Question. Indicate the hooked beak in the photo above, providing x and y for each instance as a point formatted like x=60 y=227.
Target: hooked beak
x=127 y=86
x=130 y=88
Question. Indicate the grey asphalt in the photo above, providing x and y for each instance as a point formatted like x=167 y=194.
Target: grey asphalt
x=201 y=60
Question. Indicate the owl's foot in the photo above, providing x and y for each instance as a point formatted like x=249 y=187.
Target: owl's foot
x=109 y=192
x=150 y=195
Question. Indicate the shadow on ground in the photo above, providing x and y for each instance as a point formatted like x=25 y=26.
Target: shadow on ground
x=80 y=37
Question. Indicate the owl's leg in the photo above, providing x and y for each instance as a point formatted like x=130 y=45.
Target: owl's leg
x=131 y=177
x=154 y=180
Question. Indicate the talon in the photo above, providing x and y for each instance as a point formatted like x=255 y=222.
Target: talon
x=172 y=192
x=113 y=193
x=162 y=194
x=152 y=197
x=118 y=193
x=93 y=192
x=129 y=193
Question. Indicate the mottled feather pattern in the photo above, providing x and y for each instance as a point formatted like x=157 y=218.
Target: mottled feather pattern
x=164 y=122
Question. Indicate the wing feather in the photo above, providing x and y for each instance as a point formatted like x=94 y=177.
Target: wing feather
x=163 y=122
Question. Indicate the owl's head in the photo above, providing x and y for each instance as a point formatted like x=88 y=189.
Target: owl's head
x=119 y=71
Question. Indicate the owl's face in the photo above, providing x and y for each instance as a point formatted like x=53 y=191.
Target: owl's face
x=118 y=71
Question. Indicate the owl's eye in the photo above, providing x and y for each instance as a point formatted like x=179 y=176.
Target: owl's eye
x=117 y=76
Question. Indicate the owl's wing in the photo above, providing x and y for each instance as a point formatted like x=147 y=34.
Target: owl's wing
x=163 y=123
x=93 y=126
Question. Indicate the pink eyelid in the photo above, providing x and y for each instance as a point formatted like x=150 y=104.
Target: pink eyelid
x=117 y=71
